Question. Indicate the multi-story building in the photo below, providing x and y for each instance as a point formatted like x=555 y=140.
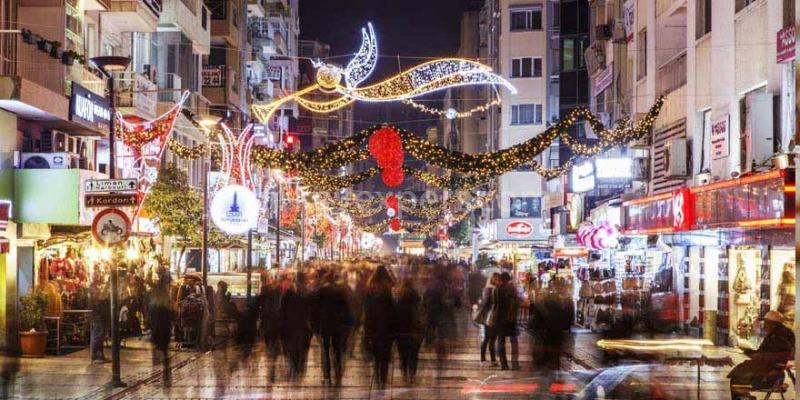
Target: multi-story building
x=51 y=146
x=273 y=67
x=726 y=70
x=523 y=60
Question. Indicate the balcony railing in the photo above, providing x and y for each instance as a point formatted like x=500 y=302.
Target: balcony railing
x=672 y=74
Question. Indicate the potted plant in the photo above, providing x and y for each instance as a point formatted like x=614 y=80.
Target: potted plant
x=54 y=50
x=44 y=45
x=68 y=57
x=32 y=336
x=28 y=36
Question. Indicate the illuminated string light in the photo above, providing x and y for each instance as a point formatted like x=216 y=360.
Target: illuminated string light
x=449 y=112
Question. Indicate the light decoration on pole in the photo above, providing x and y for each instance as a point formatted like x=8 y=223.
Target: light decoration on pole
x=143 y=145
x=420 y=80
x=597 y=237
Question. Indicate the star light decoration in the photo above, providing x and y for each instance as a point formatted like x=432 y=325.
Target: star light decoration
x=423 y=79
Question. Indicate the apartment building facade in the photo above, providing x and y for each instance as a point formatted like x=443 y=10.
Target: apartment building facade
x=50 y=147
x=727 y=72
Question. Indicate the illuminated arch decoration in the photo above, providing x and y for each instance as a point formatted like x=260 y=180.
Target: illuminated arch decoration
x=418 y=81
x=143 y=145
x=235 y=157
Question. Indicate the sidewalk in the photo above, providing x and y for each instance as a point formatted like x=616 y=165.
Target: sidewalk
x=72 y=376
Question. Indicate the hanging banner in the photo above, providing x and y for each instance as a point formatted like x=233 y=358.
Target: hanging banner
x=628 y=18
x=719 y=138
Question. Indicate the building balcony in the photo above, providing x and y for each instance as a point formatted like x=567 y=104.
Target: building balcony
x=192 y=18
x=135 y=94
x=674 y=108
x=225 y=21
x=669 y=7
x=671 y=74
x=37 y=190
x=133 y=15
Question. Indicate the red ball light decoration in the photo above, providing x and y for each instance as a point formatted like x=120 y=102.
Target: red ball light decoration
x=394 y=223
x=386 y=148
x=392 y=177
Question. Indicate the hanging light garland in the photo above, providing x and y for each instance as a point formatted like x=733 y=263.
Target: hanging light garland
x=451 y=113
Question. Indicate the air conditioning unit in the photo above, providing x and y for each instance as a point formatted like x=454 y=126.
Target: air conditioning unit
x=675 y=158
x=703 y=178
x=603 y=32
x=641 y=168
x=45 y=160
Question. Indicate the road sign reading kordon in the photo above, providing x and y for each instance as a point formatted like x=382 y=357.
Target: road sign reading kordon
x=109 y=185
x=110 y=200
x=111 y=227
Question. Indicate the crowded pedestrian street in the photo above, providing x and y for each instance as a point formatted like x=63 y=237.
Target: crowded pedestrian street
x=399 y=199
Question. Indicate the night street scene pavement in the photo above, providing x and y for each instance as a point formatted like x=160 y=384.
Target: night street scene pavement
x=399 y=199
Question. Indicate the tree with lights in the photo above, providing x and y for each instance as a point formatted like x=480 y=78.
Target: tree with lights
x=178 y=209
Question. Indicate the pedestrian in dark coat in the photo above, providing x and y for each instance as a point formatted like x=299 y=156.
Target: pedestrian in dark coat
x=409 y=328
x=295 y=326
x=379 y=322
x=270 y=298
x=332 y=320
x=161 y=319
x=503 y=318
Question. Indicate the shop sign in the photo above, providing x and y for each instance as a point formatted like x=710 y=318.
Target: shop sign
x=604 y=79
x=753 y=201
x=273 y=72
x=719 y=138
x=111 y=227
x=235 y=209
x=582 y=177
x=785 y=44
x=613 y=169
x=520 y=229
x=682 y=209
x=5 y=214
x=89 y=109
x=213 y=75
x=571 y=252
x=628 y=16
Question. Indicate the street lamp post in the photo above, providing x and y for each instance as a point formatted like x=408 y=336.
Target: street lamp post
x=206 y=123
x=108 y=65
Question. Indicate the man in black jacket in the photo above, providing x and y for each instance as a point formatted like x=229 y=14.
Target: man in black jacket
x=764 y=368
x=332 y=320
x=504 y=319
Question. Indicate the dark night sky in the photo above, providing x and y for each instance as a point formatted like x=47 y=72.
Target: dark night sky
x=414 y=29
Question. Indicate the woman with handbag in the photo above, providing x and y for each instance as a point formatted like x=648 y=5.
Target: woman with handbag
x=482 y=319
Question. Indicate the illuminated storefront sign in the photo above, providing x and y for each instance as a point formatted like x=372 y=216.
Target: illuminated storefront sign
x=89 y=109
x=764 y=200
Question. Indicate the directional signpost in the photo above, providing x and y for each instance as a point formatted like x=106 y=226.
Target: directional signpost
x=110 y=200
x=109 y=185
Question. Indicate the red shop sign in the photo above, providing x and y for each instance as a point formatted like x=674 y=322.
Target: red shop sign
x=519 y=228
x=785 y=44
x=682 y=209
